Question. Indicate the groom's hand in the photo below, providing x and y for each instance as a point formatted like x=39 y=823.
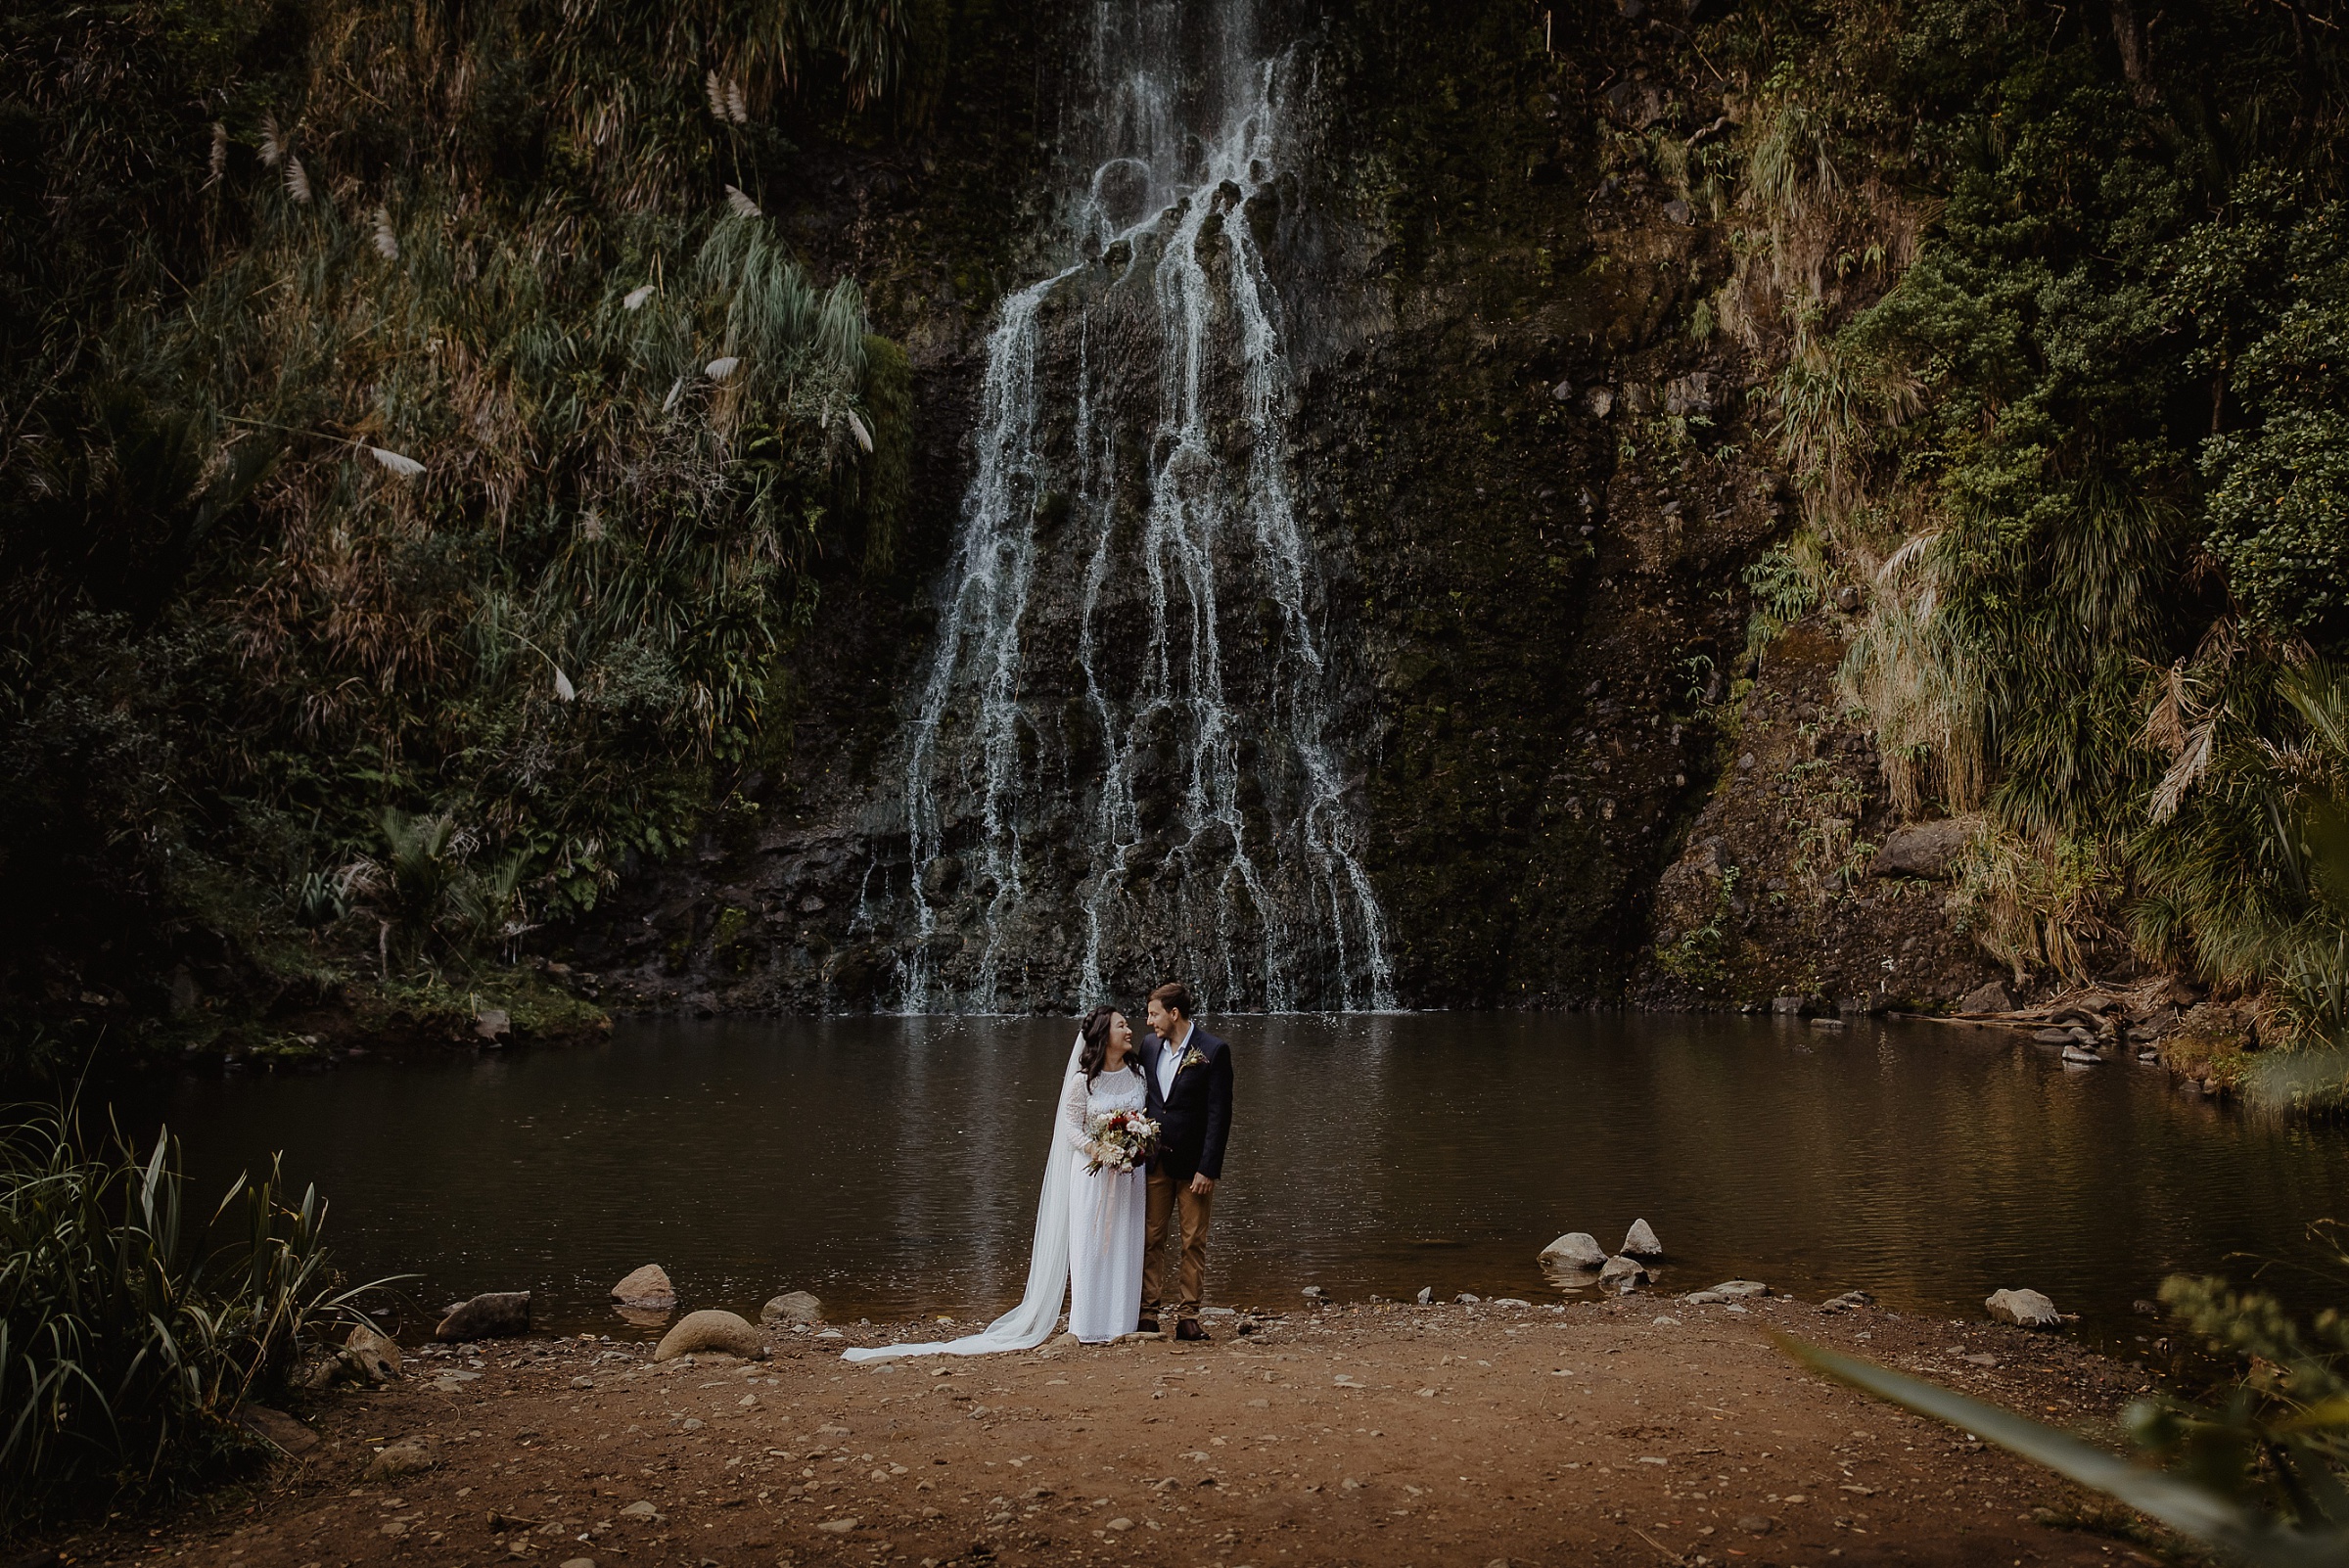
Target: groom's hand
x=1202 y=1185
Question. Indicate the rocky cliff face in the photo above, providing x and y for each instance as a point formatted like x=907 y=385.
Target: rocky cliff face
x=1524 y=479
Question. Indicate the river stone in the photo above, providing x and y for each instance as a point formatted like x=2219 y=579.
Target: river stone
x=711 y=1329
x=1923 y=849
x=1576 y=1248
x=791 y=1306
x=493 y=1314
x=372 y=1356
x=1623 y=1271
x=408 y=1456
x=2024 y=1308
x=1988 y=997
x=647 y=1289
x=1640 y=1241
x=1741 y=1289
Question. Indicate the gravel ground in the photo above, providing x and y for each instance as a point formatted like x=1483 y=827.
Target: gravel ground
x=1643 y=1429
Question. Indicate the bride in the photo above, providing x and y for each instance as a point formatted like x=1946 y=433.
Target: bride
x=1089 y=1223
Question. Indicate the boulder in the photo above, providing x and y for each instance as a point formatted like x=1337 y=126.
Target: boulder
x=406 y=1457
x=1426 y=1296
x=791 y=1306
x=492 y=1023
x=1623 y=1272
x=1988 y=997
x=371 y=1356
x=1576 y=1248
x=2024 y=1308
x=1640 y=1241
x=647 y=1289
x=1923 y=849
x=710 y=1330
x=493 y=1315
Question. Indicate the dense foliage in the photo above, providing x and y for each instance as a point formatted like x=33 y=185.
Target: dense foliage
x=2062 y=302
x=418 y=448
x=130 y=1331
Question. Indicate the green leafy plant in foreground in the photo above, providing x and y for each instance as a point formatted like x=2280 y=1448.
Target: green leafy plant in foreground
x=2256 y=1474
x=130 y=1336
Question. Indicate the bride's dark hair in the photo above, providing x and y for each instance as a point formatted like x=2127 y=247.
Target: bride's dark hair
x=1095 y=1033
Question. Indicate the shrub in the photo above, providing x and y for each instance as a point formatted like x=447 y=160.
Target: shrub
x=130 y=1336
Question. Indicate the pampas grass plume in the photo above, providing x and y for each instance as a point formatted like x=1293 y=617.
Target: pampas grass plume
x=387 y=242
x=298 y=183
x=636 y=296
x=864 y=438
x=720 y=369
x=737 y=109
x=716 y=89
x=742 y=205
x=565 y=691
x=273 y=146
x=404 y=467
x=219 y=161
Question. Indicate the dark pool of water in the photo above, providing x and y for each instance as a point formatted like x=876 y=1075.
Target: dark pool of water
x=891 y=1165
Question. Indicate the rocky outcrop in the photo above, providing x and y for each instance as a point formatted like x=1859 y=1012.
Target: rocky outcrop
x=1771 y=900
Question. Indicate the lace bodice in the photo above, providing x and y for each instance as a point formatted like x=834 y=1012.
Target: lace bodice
x=1080 y=1101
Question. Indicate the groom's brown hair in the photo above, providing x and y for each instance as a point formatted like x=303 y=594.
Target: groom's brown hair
x=1175 y=997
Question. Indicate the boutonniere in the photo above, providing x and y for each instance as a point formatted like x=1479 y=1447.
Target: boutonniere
x=1195 y=1057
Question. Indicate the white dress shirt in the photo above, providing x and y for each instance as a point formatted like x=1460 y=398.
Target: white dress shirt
x=1170 y=1061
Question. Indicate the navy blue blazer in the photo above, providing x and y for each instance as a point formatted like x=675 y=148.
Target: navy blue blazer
x=1194 y=1118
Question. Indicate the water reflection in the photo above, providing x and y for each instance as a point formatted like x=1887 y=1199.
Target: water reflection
x=891 y=1165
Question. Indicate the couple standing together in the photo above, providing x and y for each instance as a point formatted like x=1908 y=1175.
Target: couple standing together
x=1137 y=1142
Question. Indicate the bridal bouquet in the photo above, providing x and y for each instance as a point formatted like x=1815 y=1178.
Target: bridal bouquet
x=1121 y=1140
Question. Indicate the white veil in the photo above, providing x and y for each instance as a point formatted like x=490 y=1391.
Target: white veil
x=1031 y=1322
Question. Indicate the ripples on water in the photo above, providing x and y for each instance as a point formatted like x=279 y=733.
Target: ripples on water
x=891 y=1165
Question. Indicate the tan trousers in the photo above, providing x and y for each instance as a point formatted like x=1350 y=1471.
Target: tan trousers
x=1166 y=1193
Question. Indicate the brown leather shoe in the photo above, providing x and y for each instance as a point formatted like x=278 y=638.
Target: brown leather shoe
x=1190 y=1328
x=1148 y=1325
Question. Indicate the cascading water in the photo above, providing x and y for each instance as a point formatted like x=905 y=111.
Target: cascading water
x=1119 y=770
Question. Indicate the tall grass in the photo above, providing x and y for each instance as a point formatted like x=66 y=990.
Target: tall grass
x=130 y=1331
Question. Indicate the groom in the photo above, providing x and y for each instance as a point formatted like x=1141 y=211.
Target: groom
x=1188 y=1072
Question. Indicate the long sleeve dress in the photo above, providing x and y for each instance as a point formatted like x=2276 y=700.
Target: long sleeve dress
x=1107 y=1213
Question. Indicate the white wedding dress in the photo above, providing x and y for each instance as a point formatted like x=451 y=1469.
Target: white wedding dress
x=1107 y=1213
x=1079 y=1224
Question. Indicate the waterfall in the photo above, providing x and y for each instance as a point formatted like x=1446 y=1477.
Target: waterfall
x=1120 y=768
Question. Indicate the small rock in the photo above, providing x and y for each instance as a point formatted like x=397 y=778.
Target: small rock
x=1923 y=849
x=791 y=1306
x=647 y=1289
x=2145 y=1308
x=1311 y=1293
x=1561 y=392
x=1465 y=1299
x=1120 y=1525
x=1427 y=1295
x=1756 y=1523
x=1739 y=1289
x=1622 y=1273
x=1849 y=1300
x=493 y=1315
x=370 y=1355
x=1576 y=1248
x=1691 y=394
x=1640 y=1241
x=1988 y=997
x=1679 y=212
x=640 y=1511
x=712 y=1329
x=1980 y=1358
x=1829 y=1023
x=279 y=1430
x=2025 y=1308
x=582 y=1382
x=1601 y=401
x=408 y=1456
x=1518 y=1301
x=2081 y=1056
x=837 y=1527
x=2052 y=1037
x=492 y=1023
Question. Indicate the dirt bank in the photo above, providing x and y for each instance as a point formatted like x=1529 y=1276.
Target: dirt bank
x=1640 y=1430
